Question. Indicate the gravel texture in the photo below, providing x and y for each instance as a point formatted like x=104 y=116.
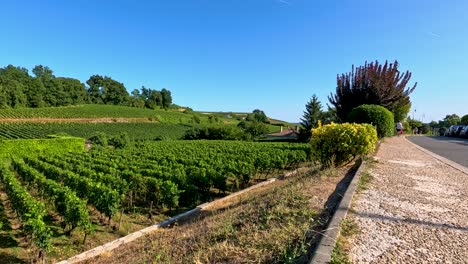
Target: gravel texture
x=415 y=209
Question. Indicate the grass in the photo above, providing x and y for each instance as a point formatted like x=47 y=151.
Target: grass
x=348 y=229
x=364 y=180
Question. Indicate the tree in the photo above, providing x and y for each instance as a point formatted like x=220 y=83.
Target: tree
x=414 y=123
x=329 y=116
x=312 y=114
x=258 y=115
x=106 y=90
x=373 y=84
x=452 y=119
x=464 y=120
x=166 y=98
x=253 y=129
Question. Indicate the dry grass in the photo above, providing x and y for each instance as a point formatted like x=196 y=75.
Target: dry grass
x=274 y=224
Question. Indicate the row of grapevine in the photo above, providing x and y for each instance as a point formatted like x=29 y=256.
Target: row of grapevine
x=105 y=199
x=195 y=167
x=90 y=111
x=67 y=203
x=144 y=190
x=30 y=211
x=137 y=131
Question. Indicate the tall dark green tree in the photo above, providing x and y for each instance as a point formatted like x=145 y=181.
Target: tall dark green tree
x=106 y=90
x=374 y=84
x=312 y=114
x=166 y=98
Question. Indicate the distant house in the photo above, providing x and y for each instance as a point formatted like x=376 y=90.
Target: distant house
x=289 y=134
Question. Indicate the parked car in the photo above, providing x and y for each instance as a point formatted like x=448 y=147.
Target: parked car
x=452 y=131
x=458 y=131
x=464 y=132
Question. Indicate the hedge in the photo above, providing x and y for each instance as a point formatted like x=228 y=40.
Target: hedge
x=339 y=143
x=376 y=115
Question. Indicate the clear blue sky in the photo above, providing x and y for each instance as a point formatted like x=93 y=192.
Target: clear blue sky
x=238 y=55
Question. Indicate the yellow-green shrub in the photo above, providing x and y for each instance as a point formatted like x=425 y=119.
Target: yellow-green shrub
x=340 y=143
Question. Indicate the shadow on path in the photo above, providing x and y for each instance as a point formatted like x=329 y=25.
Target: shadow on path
x=412 y=221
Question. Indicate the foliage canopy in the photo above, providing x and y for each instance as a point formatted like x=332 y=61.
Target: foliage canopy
x=373 y=84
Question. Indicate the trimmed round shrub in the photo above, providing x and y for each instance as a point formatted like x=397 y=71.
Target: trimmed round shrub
x=340 y=143
x=376 y=115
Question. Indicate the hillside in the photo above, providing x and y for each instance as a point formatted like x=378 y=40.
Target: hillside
x=85 y=120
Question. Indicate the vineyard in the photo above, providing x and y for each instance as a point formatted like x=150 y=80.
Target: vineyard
x=86 y=191
x=136 y=131
x=90 y=111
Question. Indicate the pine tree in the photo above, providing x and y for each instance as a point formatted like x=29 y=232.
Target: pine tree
x=310 y=118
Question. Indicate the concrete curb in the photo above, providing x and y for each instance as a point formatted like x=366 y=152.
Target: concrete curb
x=322 y=253
x=440 y=158
x=135 y=235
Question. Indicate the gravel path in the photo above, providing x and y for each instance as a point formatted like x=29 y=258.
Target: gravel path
x=414 y=211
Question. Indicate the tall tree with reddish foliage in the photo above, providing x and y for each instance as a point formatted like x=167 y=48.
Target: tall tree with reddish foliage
x=374 y=84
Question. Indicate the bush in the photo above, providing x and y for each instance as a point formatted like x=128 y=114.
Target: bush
x=99 y=139
x=376 y=115
x=340 y=143
x=120 y=141
x=407 y=127
x=220 y=132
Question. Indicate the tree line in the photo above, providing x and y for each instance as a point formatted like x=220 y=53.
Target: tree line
x=42 y=89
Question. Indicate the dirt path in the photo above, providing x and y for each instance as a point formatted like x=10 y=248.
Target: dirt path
x=75 y=120
x=415 y=210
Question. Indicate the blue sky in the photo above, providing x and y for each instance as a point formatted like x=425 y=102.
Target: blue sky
x=239 y=55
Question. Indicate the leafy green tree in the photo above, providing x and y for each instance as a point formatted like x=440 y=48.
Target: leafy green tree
x=106 y=90
x=329 y=116
x=258 y=115
x=253 y=129
x=464 y=120
x=452 y=119
x=312 y=114
x=136 y=99
x=414 y=123
x=154 y=100
x=373 y=84
x=14 y=82
x=166 y=98
x=75 y=89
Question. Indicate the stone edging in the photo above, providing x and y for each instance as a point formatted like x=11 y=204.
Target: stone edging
x=322 y=253
x=440 y=158
x=135 y=235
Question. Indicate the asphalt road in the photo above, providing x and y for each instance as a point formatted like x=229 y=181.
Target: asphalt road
x=452 y=148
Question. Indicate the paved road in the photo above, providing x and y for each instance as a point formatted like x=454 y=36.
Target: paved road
x=454 y=149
